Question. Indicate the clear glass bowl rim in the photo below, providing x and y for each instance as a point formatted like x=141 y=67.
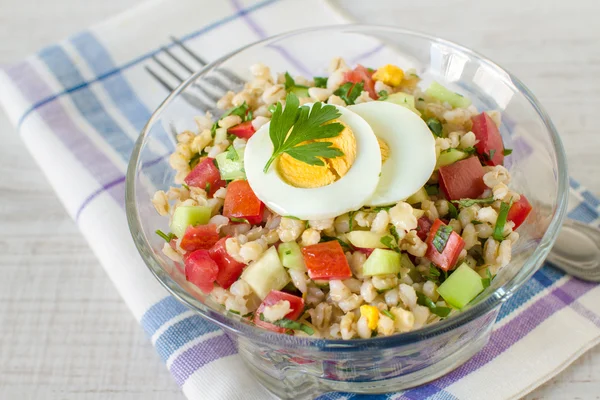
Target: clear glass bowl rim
x=482 y=307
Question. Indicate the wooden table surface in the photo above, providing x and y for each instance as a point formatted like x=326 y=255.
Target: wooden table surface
x=64 y=331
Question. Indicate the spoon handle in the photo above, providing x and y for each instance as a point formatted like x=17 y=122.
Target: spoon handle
x=577 y=250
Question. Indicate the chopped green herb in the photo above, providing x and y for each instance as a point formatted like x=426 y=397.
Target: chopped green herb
x=390 y=243
x=167 y=237
x=492 y=153
x=435 y=126
x=501 y=221
x=377 y=209
x=434 y=272
x=320 y=81
x=487 y=281
x=292 y=126
x=185 y=186
x=421 y=99
x=351 y=215
x=345 y=246
x=292 y=217
x=213 y=129
x=249 y=116
x=394 y=233
x=452 y=211
x=432 y=190
x=292 y=87
x=427 y=302
x=371 y=70
x=194 y=160
x=272 y=108
x=469 y=150
x=231 y=137
x=389 y=314
x=232 y=154
x=207 y=187
x=507 y=152
x=470 y=202
x=240 y=220
x=289 y=324
x=383 y=94
x=240 y=111
x=349 y=91
x=475 y=222
x=288 y=252
x=441 y=237
x=414 y=75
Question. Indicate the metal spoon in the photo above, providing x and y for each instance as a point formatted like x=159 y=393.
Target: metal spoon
x=577 y=251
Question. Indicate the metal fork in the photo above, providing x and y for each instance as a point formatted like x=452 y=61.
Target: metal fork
x=206 y=95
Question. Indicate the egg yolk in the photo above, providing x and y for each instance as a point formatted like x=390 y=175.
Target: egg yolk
x=302 y=175
x=384 y=149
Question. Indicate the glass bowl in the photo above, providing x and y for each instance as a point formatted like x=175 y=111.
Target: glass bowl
x=296 y=367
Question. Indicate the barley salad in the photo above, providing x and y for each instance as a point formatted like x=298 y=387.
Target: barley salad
x=344 y=206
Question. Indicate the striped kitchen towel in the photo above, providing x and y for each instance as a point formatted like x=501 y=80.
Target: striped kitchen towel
x=79 y=106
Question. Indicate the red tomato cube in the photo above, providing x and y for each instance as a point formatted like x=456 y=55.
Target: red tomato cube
x=446 y=260
x=229 y=269
x=361 y=74
x=200 y=237
x=519 y=211
x=462 y=180
x=245 y=130
x=205 y=174
x=423 y=228
x=296 y=306
x=489 y=140
x=241 y=202
x=201 y=270
x=326 y=261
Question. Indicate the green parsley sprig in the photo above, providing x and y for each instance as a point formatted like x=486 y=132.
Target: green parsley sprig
x=293 y=125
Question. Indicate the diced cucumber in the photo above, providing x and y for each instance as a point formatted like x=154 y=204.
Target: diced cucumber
x=382 y=262
x=291 y=256
x=404 y=100
x=266 y=274
x=220 y=135
x=366 y=239
x=443 y=94
x=450 y=156
x=418 y=197
x=405 y=261
x=231 y=164
x=185 y=216
x=300 y=91
x=461 y=287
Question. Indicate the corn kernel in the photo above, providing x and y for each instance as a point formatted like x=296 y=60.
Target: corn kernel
x=371 y=313
x=389 y=74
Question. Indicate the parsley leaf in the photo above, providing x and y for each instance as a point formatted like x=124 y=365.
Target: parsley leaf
x=492 y=153
x=240 y=111
x=350 y=91
x=194 y=160
x=507 y=152
x=383 y=94
x=432 y=190
x=388 y=314
x=435 y=126
x=291 y=87
x=185 y=186
x=441 y=237
x=351 y=215
x=167 y=237
x=207 y=187
x=293 y=125
x=501 y=221
x=232 y=154
x=289 y=324
x=345 y=246
x=452 y=211
x=487 y=281
x=320 y=82
x=470 y=202
x=427 y=302
x=475 y=222
x=390 y=243
x=249 y=116
x=469 y=150
x=240 y=220
x=394 y=233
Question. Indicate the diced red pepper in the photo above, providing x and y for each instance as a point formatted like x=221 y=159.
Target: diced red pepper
x=245 y=130
x=519 y=211
x=326 y=261
x=201 y=270
x=241 y=202
x=205 y=174
x=200 y=237
x=423 y=228
x=296 y=306
x=462 y=180
x=446 y=260
x=362 y=74
x=229 y=269
x=489 y=140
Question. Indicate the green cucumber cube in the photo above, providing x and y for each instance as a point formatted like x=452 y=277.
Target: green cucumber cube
x=405 y=100
x=229 y=168
x=266 y=274
x=461 y=287
x=443 y=94
x=300 y=91
x=291 y=256
x=366 y=239
x=418 y=197
x=185 y=216
x=382 y=262
x=450 y=156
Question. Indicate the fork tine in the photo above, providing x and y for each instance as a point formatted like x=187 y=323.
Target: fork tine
x=214 y=81
x=159 y=79
x=205 y=92
x=177 y=60
x=226 y=73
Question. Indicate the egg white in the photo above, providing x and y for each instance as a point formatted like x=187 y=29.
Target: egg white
x=412 y=150
x=348 y=193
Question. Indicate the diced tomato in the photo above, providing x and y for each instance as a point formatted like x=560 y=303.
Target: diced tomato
x=229 y=269
x=365 y=251
x=241 y=202
x=326 y=261
x=361 y=74
x=205 y=173
x=423 y=227
x=446 y=260
x=462 y=180
x=519 y=211
x=489 y=140
x=245 y=130
x=200 y=237
x=296 y=306
x=201 y=270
